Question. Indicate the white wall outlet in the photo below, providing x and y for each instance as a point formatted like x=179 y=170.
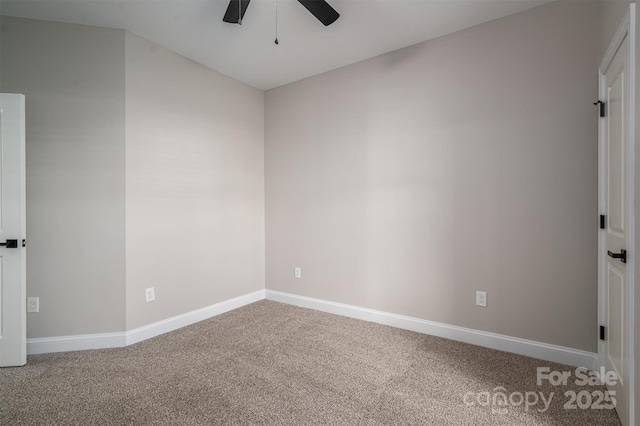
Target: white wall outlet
x=33 y=304
x=297 y=272
x=150 y=294
x=481 y=298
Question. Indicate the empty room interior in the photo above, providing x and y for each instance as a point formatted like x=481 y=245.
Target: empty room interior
x=389 y=219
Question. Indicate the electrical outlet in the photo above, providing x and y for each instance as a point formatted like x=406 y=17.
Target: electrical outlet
x=297 y=272
x=150 y=294
x=33 y=304
x=481 y=298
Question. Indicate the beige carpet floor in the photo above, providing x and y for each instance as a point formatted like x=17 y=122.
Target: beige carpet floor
x=270 y=363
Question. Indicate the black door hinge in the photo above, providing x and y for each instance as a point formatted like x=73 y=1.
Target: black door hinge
x=602 y=332
x=602 y=108
x=603 y=221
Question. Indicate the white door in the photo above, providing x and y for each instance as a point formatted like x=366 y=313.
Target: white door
x=13 y=334
x=616 y=177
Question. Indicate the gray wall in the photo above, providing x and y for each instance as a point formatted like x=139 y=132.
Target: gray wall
x=195 y=184
x=73 y=78
x=395 y=183
x=409 y=181
x=636 y=313
x=637 y=233
x=143 y=169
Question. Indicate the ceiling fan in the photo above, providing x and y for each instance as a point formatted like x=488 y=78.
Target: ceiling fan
x=318 y=8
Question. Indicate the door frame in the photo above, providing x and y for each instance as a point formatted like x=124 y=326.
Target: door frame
x=627 y=29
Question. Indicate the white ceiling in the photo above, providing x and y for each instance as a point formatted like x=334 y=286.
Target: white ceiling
x=194 y=28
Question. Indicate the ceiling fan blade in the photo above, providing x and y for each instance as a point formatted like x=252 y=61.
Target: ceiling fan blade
x=234 y=7
x=321 y=10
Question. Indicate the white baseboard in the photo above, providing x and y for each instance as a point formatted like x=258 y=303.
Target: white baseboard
x=548 y=352
x=544 y=351
x=118 y=340
x=157 y=328
x=82 y=342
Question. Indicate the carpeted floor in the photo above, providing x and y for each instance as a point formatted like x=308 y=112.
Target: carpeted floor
x=269 y=363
